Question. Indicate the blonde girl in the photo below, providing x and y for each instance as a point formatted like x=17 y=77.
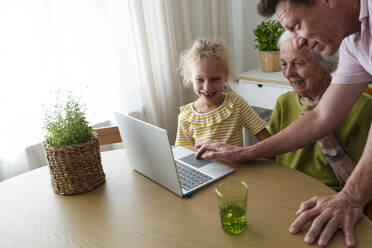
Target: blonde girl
x=217 y=114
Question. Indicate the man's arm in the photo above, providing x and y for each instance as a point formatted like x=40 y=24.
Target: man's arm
x=359 y=184
x=335 y=104
x=339 y=211
x=331 y=110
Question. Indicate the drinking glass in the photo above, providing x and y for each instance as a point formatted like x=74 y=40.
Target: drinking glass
x=232 y=202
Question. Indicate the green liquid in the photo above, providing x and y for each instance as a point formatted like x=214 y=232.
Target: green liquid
x=233 y=219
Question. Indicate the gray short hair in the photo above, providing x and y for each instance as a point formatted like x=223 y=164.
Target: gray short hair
x=329 y=63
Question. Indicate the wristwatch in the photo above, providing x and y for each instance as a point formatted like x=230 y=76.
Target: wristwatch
x=335 y=154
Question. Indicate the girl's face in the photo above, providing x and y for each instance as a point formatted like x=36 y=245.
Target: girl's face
x=208 y=77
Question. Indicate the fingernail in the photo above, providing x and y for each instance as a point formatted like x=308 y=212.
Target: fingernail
x=291 y=229
x=321 y=242
x=308 y=239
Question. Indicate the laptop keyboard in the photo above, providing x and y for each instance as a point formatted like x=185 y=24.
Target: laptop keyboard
x=189 y=177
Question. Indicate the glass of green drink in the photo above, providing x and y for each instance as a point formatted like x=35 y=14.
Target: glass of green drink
x=232 y=202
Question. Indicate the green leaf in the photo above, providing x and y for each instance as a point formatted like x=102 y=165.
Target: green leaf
x=65 y=123
x=267 y=34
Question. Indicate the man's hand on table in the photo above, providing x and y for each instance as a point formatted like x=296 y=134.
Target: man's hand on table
x=328 y=214
x=212 y=149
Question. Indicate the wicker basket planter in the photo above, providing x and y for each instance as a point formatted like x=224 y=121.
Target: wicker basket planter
x=75 y=169
x=270 y=61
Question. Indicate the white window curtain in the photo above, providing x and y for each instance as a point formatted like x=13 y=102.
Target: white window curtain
x=47 y=45
x=162 y=29
x=118 y=54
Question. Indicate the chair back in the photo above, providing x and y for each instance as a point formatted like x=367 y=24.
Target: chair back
x=369 y=90
x=108 y=135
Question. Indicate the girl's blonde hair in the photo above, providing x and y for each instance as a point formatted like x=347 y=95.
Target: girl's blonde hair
x=206 y=48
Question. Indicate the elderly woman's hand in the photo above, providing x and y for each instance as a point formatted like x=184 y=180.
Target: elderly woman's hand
x=328 y=214
x=212 y=149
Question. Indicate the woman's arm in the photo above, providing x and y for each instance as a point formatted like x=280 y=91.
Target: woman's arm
x=341 y=164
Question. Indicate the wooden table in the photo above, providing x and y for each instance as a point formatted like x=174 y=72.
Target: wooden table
x=129 y=210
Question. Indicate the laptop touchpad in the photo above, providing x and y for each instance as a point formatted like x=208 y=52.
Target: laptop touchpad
x=198 y=163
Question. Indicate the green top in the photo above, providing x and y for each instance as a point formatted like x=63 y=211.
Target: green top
x=351 y=134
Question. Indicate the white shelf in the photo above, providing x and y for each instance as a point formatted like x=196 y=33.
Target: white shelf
x=261 y=89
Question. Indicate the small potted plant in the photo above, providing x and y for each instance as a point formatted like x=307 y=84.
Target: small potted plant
x=267 y=34
x=71 y=148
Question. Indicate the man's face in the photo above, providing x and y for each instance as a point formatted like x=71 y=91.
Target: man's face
x=317 y=26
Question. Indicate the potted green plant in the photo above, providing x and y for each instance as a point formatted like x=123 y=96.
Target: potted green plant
x=267 y=34
x=71 y=148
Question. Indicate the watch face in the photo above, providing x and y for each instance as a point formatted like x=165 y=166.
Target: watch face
x=332 y=152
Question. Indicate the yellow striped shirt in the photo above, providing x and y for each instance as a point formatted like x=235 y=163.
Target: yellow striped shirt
x=224 y=124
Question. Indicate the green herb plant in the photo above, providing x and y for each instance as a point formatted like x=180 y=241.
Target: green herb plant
x=267 y=35
x=65 y=124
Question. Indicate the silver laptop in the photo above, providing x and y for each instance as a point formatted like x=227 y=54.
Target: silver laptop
x=150 y=153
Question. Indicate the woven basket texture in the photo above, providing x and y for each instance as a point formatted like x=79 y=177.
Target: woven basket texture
x=270 y=61
x=75 y=169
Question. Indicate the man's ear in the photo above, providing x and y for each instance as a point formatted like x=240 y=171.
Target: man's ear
x=329 y=3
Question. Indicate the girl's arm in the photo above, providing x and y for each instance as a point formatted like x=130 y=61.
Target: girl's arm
x=183 y=138
x=252 y=121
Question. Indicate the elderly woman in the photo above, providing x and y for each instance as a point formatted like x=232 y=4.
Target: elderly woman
x=332 y=158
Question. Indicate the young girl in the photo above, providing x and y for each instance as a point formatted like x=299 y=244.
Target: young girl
x=218 y=114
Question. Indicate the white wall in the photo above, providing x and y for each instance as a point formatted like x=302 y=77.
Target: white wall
x=244 y=18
